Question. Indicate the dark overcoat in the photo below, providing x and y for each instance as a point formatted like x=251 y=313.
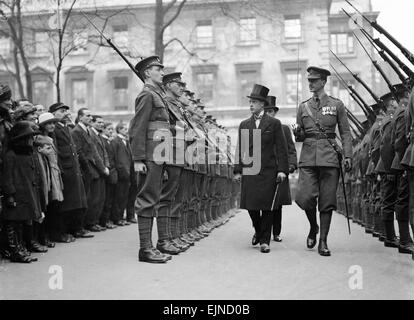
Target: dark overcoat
x=21 y=180
x=258 y=189
x=284 y=196
x=74 y=196
x=123 y=158
x=113 y=174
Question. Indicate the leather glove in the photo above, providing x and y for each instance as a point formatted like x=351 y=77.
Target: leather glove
x=292 y=168
x=10 y=202
x=348 y=164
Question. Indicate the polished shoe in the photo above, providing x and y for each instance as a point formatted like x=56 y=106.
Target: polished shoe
x=323 y=249
x=47 y=243
x=181 y=247
x=100 y=227
x=109 y=226
x=151 y=256
x=64 y=238
x=127 y=223
x=277 y=239
x=368 y=230
x=406 y=248
x=71 y=238
x=181 y=243
x=133 y=220
x=21 y=257
x=375 y=234
x=94 y=229
x=392 y=243
x=264 y=248
x=311 y=240
x=255 y=240
x=120 y=223
x=83 y=234
x=195 y=235
x=381 y=238
x=187 y=240
x=37 y=247
x=167 y=247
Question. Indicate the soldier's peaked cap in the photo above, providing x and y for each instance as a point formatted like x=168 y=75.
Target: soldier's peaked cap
x=259 y=92
x=173 y=77
x=387 y=96
x=148 y=62
x=317 y=73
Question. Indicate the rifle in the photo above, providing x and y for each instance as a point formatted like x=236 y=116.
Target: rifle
x=354 y=120
x=378 y=67
x=381 y=30
x=357 y=78
x=369 y=113
x=113 y=46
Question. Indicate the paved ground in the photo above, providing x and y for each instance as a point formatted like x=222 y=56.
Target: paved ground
x=222 y=266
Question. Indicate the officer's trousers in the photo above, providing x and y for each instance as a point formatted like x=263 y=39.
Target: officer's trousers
x=317 y=186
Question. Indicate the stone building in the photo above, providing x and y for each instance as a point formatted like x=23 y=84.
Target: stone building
x=224 y=47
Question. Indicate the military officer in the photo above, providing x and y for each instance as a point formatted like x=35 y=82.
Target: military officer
x=317 y=119
x=149 y=128
x=284 y=191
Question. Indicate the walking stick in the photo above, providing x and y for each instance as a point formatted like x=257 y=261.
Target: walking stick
x=274 y=197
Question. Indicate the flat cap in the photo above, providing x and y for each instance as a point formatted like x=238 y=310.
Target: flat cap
x=56 y=106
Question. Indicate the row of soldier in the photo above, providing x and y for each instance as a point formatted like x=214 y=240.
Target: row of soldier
x=63 y=180
x=380 y=188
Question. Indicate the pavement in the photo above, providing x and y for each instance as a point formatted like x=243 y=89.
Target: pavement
x=221 y=266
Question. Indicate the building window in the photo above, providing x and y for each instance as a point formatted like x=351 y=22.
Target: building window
x=248 y=32
x=248 y=75
x=120 y=93
x=342 y=43
x=79 y=94
x=293 y=82
x=205 y=86
x=41 y=43
x=342 y=93
x=204 y=33
x=121 y=36
x=80 y=41
x=293 y=27
x=41 y=92
x=4 y=46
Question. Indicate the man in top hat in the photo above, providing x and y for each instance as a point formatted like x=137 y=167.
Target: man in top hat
x=317 y=120
x=260 y=136
x=148 y=128
x=284 y=190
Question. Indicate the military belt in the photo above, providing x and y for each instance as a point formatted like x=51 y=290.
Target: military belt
x=321 y=136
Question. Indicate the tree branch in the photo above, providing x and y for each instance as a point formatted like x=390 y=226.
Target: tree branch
x=175 y=16
x=169 y=6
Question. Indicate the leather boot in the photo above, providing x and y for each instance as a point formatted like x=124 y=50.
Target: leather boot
x=167 y=247
x=151 y=256
x=314 y=229
x=16 y=253
x=391 y=240
x=325 y=219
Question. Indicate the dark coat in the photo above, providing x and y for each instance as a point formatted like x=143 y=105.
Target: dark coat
x=73 y=189
x=101 y=150
x=123 y=158
x=91 y=163
x=113 y=174
x=284 y=196
x=258 y=189
x=21 y=179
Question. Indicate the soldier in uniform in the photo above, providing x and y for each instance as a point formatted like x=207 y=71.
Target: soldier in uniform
x=260 y=176
x=148 y=128
x=317 y=119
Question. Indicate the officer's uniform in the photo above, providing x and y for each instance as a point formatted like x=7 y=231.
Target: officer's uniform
x=318 y=164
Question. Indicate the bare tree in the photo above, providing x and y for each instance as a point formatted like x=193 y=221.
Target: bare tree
x=15 y=31
x=163 y=19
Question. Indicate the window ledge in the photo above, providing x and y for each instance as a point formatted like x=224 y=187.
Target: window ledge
x=254 y=43
x=290 y=41
x=208 y=47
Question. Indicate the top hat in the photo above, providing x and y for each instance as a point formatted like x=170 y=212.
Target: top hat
x=271 y=104
x=259 y=92
x=56 y=106
x=173 y=77
x=46 y=118
x=146 y=63
x=317 y=73
x=22 y=129
x=5 y=92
